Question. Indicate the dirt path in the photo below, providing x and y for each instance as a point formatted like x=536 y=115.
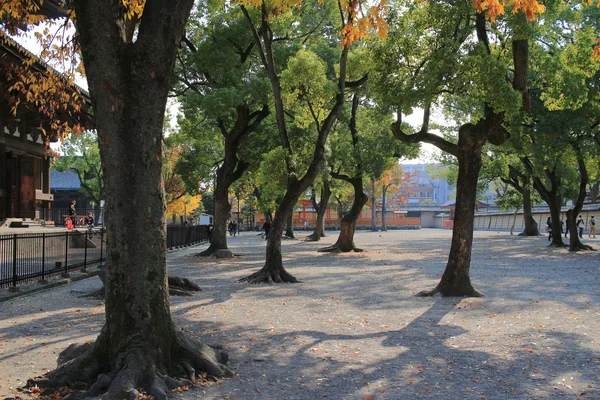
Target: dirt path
x=354 y=329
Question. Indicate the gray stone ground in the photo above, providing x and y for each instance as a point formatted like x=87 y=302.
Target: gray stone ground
x=353 y=329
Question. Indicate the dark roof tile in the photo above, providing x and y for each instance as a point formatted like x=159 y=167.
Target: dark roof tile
x=67 y=180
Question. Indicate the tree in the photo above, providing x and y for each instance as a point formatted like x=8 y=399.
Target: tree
x=556 y=139
x=81 y=155
x=315 y=103
x=365 y=149
x=224 y=93
x=320 y=206
x=129 y=53
x=345 y=241
x=502 y=163
x=469 y=77
x=394 y=181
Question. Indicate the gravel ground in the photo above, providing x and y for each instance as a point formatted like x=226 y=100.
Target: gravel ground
x=353 y=329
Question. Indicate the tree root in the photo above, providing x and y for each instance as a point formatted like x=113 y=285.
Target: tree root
x=454 y=293
x=558 y=245
x=339 y=249
x=313 y=238
x=208 y=252
x=581 y=247
x=267 y=276
x=90 y=372
x=178 y=286
x=529 y=234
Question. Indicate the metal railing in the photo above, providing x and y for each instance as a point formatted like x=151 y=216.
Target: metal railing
x=31 y=256
x=59 y=215
x=186 y=235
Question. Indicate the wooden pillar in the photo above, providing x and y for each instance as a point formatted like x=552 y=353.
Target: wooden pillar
x=46 y=188
x=3 y=188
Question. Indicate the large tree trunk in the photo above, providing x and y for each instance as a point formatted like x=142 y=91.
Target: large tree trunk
x=139 y=345
x=289 y=229
x=383 y=210
x=230 y=171
x=531 y=226
x=320 y=208
x=222 y=210
x=572 y=214
x=594 y=192
x=345 y=242
x=555 y=206
x=373 y=207
x=550 y=196
x=456 y=280
x=273 y=271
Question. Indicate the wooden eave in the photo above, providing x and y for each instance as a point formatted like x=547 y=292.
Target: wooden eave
x=11 y=54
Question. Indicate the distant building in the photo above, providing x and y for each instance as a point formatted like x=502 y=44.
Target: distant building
x=426 y=187
x=65 y=187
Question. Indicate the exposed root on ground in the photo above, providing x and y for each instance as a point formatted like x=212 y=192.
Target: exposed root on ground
x=96 y=294
x=206 y=253
x=340 y=249
x=581 y=247
x=314 y=237
x=178 y=286
x=270 y=277
x=558 y=245
x=528 y=234
x=89 y=370
x=472 y=292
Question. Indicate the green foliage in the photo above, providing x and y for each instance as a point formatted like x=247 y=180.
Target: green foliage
x=271 y=179
x=305 y=80
x=81 y=155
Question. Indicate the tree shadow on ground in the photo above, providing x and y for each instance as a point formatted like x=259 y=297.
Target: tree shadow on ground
x=419 y=360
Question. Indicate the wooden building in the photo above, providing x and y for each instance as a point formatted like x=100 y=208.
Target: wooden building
x=24 y=164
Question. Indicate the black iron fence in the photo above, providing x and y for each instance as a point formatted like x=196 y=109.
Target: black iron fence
x=186 y=235
x=32 y=256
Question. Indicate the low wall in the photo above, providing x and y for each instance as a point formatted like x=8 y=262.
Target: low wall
x=503 y=221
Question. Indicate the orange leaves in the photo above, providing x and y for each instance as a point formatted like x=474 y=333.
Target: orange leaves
x=529 y=7
x=134 y=8
x=596 y=52
x=358 y=28
x=495 y=7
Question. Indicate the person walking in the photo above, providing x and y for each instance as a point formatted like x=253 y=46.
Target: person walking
x=549 y=228
x=592 y=227
x=209 y=231
x=73 y=212
x=267 y=228
x=567 y=227
x=580 y=225
x=562 y=226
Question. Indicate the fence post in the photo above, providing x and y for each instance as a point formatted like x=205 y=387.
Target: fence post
x=14 y=260
x=101 y=243
x=43 y=255
x=67 y=252
x=85 y=250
